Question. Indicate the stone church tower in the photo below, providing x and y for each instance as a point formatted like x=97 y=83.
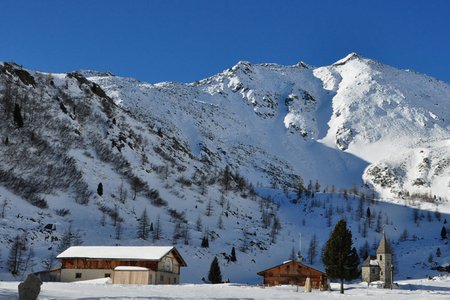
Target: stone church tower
x=384 y=258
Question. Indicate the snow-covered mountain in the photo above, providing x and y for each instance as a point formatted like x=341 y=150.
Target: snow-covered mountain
x=223 y=157
x=354 y=120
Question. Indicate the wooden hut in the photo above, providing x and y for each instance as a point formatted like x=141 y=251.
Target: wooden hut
x=295 y=273
x=125 y=265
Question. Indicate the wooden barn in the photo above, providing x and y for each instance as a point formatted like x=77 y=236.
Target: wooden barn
x=125 y=265
x=293 y=272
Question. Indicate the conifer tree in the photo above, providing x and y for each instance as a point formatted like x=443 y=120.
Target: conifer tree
x=233 y=254
x=18 y=116
x=443 y=233
x=100 y=189
x=215 y=275
x=144 y=226
x=340 y=257
x=205 y=242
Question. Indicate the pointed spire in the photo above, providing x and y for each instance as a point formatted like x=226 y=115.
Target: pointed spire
x=383 y=247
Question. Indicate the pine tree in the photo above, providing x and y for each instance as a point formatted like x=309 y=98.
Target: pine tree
x=438 y=252
x=215 y=275
x=340 y=257
x=205 y=242
x=18 y=116
x=233 y=254
x=144 y=226
x=317 y=186
x=443 y=233
x=100 y=189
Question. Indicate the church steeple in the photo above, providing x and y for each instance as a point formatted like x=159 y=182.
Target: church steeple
x=384 y=258
x=383 y=247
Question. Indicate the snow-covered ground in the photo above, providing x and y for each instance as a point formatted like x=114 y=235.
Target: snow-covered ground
x=436 y=288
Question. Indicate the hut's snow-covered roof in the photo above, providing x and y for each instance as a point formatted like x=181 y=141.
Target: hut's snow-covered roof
x=117 y=252
x=130 y=268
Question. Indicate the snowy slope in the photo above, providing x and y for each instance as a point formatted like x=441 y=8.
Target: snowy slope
x=164 y=148
x=354 y=114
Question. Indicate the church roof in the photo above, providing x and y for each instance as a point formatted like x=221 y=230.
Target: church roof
x=370 y=261
x=383 y=247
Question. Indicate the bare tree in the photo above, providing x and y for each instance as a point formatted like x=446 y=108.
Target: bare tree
x=3 y=206
x=123 y=193
x=209 y=208
x=16 y=261
x=313 y=249
x=157 y=229
x=143 y=226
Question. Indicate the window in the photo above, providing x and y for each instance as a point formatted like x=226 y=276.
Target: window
x=77 y=275
x=107 y=275
x=381 y=258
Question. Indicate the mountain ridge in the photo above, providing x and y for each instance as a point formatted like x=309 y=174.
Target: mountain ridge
x=232 y=149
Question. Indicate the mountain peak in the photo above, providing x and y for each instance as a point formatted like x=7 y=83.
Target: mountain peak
x=349 y=57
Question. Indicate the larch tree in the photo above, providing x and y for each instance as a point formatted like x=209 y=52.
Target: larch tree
x=340 y=257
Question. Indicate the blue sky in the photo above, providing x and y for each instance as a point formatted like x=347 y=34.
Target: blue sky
x=182 y=40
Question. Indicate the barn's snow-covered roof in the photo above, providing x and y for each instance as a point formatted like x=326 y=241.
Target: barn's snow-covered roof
x=117 y=252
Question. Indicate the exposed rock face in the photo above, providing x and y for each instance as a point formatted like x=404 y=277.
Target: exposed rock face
x=30 y=288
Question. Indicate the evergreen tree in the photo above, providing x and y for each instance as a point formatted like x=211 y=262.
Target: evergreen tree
x=144 y=226
x=300 y=188
x=100 y=189
x=438 y=252
x=443 y=233
x=340 y=257
x=233 y=254
x=205 y=242
x=215 y=275
x=18 y=116
x=317 y=186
